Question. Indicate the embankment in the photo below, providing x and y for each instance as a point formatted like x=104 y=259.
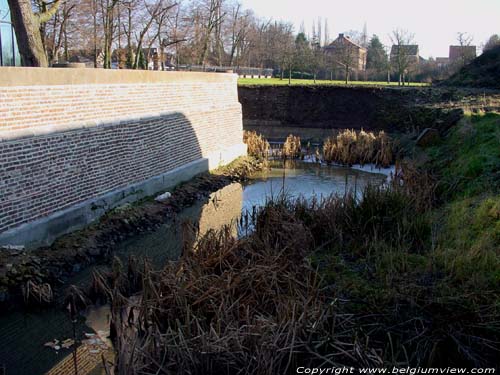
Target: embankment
x=74 y=143
x=313 y=112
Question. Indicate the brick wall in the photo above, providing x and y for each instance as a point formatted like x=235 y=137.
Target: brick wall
x=72 y=141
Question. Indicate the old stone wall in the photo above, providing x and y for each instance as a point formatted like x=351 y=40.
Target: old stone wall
x=76 y=142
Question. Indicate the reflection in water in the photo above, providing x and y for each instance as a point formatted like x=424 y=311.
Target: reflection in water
x=307 y=180
x=22 y=336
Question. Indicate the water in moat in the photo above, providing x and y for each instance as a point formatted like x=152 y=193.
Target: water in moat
x=23 y=335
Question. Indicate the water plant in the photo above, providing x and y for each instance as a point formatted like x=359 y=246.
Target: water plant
x=351 y=147
x=257 y=145
x=291 y=147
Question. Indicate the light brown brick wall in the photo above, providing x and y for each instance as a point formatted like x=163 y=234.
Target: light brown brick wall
x=64 y=144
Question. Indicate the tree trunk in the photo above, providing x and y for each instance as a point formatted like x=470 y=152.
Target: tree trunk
x=27 y=28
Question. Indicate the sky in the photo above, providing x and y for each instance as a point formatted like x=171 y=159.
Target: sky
x=434 y=23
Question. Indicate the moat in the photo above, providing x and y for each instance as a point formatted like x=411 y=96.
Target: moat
x=23 y=335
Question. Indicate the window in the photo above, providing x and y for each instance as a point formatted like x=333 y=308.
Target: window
x=9 y=54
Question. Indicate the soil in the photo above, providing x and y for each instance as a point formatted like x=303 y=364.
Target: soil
x=392 y=109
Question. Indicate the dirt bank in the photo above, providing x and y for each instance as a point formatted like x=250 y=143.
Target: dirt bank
x=314 y=111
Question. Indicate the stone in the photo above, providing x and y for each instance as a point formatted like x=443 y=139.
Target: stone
x=428 y=137
x=4 y=295
x=163 y=197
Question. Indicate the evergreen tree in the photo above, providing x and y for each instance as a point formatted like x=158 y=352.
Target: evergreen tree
x=376 y=57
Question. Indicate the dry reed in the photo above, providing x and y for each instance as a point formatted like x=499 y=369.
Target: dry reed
x=257 y=145
x=350 y=147
x=291 y=147
x=249 y=306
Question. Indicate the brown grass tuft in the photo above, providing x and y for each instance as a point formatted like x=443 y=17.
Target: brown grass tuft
x=350 y=147
x=257 y=145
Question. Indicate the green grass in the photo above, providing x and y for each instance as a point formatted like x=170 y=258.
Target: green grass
x=310 y=82
x=468 y=161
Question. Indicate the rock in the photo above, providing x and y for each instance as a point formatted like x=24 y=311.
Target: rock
x=94 y=251
x=13 y=247
x=4 y=295
x=163 y=197
x=77 y=267
x=428 y=137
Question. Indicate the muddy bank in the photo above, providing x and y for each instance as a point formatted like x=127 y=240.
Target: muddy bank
x=76 y=251
x=315 y=111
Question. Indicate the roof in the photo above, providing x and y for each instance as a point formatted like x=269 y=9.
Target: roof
x=344 y=37
x=407 y=49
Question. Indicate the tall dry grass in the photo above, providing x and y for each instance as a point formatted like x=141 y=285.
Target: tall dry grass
x=256 y=305
x=257 y=145
x=350 y=147
x=292 y=147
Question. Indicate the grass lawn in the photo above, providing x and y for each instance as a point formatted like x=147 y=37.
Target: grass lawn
x=308 y=82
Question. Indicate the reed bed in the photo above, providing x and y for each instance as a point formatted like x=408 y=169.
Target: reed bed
x=257 y=304
x=252 y=306
x=257 y=145
x=350 y=147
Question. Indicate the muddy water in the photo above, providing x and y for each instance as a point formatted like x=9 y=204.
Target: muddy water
x=22 y=336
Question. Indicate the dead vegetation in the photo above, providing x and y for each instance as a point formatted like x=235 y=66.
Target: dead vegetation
x=257 y=305
x=292 y=147
x=350 y=147
x=250 y=306
x=257 y=145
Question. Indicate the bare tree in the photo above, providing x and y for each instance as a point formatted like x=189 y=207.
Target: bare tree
x=466 y=51
x=212 y=18
x=108 y=8
x=238 y=32
x=317 y=60
x=27 y=26
x=400 y=55
x=56 y=33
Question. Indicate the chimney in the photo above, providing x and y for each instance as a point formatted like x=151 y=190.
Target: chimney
x=341 y=35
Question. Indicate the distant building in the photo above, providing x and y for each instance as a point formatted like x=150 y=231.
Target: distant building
x=410 y=53
x=9 y=54
x=462 y=53
x=344 y=45
x=442 y=62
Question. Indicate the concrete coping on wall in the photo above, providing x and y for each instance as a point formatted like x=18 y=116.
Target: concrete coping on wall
x=24 y=76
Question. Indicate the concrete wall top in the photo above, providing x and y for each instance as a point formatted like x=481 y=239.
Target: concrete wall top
x=23 y=76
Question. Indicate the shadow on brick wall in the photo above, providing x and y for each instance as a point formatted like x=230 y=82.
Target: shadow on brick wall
x=41 y=175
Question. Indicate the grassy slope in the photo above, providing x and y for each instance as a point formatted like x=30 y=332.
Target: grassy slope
x=449 y=284
x=310 y=82
x=468 y=162
x=484 y=72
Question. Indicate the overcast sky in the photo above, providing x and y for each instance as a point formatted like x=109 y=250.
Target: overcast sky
x=434 y=23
